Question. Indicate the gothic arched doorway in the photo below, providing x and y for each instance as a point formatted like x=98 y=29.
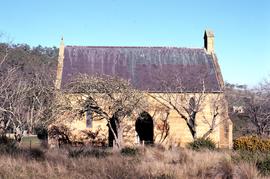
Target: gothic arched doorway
x=144 y=127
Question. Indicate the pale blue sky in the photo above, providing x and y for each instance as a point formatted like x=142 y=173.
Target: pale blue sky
x=241 y=27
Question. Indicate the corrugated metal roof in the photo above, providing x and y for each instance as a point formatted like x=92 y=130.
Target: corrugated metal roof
x=147 y=68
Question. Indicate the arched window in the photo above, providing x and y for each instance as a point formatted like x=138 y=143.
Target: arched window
x=89 y=119
x=192 y=104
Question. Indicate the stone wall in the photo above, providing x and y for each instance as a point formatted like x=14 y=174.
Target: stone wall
x=179 y=133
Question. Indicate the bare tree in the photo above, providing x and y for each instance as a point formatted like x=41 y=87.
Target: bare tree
x=257 y=108
x=39 y=102
x=160 y=115
x=187 y=103
x=216 y=104
x=6 y=77
x=24 y=100
x=109 y=98
x=23 y=105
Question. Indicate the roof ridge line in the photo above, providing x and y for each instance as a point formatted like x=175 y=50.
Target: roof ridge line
x=96 y=46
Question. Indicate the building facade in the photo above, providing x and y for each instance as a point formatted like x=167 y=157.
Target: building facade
x=174 y=80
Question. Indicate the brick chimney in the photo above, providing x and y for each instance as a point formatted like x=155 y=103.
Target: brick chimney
x=209 y=41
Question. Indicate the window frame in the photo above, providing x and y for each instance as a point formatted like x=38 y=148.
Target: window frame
x=89 y=119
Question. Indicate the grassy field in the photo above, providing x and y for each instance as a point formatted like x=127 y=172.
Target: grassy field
x=150 y=162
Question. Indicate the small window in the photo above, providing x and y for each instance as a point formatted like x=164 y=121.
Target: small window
x=89 y=119
x=192 y=104
x=226 y=129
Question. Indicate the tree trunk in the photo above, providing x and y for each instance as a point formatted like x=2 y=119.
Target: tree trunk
x=117 y=132
x=192 y=129
x=120 y=136
x=194 y=134
x=207 y=133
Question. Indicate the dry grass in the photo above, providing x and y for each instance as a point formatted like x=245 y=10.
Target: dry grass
x=149 y=163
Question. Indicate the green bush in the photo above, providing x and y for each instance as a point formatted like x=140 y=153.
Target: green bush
x=264 y=166
x=261 y=159
x=251 y=143
x=248 y=156
x=129 y=151
x=202 y=143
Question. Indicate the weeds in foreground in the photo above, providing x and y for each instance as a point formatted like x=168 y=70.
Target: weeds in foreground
x=129 y=163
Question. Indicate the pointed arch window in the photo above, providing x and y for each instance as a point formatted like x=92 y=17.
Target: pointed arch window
x=89 y=119
x=192 y=104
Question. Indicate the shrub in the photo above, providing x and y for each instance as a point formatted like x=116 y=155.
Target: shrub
x=264 y=166
x=8 y=145
x=261 y=159
x=60 y=133
x=129 y=151
x=252 y=143
x=248 y=156
x=202 y=143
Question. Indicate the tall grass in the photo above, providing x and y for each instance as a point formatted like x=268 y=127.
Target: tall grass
x=147 y=163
